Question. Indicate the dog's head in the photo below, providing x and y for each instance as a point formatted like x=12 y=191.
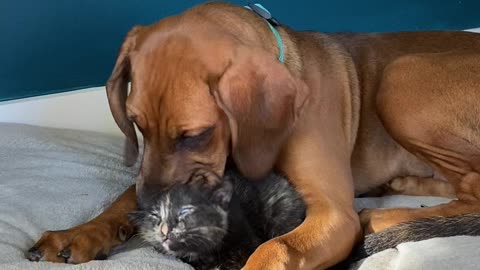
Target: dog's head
x=199 y=95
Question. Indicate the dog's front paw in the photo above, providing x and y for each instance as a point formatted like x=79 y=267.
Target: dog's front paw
x=81 y=244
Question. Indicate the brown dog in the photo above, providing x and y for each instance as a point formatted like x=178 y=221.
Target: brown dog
x=207 y=85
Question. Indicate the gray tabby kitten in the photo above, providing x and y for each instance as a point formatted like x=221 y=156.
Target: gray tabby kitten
x=218 y=228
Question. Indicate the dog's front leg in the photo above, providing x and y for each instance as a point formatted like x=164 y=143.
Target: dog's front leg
x=331 y=226
x=90 y=240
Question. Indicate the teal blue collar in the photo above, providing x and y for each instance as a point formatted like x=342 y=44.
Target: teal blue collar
x=267 y=16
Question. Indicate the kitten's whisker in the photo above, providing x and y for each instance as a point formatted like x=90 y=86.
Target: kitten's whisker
x=201 y=240
x=208 y=228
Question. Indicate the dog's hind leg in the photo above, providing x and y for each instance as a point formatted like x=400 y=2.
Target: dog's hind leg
x=376 y=220
x=429 y=104
x=419 y=186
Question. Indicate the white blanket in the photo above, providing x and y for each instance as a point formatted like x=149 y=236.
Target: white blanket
x=52 y=179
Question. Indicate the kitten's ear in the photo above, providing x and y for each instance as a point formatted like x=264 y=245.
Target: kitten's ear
x=223 y=193
x=136 y=217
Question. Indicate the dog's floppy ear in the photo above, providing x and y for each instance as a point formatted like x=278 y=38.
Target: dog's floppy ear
x=262 y=100
x=117 y=91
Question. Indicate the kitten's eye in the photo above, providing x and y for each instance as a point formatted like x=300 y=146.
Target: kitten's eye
x=155 y=216
x=186 y=210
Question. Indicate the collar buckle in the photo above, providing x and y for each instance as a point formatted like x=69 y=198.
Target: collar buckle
x=272 y=22
x=263 y=12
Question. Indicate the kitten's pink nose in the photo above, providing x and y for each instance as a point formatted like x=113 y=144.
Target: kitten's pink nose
x=164 y=228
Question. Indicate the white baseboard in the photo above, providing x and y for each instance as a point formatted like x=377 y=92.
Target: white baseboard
x=477 y=30
x=85 y=109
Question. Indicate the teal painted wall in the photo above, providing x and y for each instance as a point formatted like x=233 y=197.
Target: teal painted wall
x=49 y=46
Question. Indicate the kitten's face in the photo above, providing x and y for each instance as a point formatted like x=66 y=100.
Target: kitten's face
x=185 y=221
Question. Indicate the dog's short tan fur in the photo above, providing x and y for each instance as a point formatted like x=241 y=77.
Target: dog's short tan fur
x=415 y=186
x=344 y=114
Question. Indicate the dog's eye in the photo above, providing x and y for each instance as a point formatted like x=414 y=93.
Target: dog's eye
x=190 y=141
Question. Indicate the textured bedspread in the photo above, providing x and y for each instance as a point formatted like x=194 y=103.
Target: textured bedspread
x=52 y=179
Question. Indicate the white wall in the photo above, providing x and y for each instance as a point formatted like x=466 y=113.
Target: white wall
x=83 y=109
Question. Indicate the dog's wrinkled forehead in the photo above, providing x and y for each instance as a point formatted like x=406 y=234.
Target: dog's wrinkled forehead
x=163 y=64
x=171 y=81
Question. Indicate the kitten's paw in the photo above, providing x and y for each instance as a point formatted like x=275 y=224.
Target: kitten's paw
x=83 y=243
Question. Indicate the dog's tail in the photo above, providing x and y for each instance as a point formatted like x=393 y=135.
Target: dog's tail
x=417 y=230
